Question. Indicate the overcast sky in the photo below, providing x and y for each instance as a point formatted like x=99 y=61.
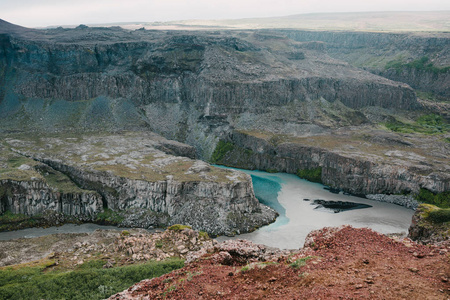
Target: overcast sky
x=34 y=13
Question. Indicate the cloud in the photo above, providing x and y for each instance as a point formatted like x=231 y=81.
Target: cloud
x=48 y=12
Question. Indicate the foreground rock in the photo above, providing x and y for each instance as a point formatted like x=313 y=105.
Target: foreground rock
x=336 y=263
x=115 y=248
x=132 y=175
x=426 y=229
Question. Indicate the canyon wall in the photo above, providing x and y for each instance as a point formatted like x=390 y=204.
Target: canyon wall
x=374 y=51
x=355 y=174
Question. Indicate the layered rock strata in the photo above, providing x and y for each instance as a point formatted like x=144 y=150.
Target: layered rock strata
x=130 y=173
x=354 y=162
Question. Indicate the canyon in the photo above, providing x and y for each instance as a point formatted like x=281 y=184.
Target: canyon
x=277 y=100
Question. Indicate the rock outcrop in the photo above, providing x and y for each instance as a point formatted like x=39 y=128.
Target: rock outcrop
x=188 y=86
x=356 y=164
x=335 y=263
x=129 y=172
x=374 y=50
x=31 y=188
x=425 y=230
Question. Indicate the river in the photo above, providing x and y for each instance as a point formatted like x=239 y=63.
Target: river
x=285 y=193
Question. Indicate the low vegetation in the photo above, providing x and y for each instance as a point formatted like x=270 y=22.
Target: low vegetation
x=427 y=124
x=441 y=200
x=422 y=64
x=89 y=281
x=222 y=148
x=440 y=215
x=313 y=175
x=179 y=227
x=109 y=217
x=10 y=221
x=300 y=262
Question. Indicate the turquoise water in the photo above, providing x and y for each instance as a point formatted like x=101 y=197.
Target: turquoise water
x=286 y=193
x=266 y=189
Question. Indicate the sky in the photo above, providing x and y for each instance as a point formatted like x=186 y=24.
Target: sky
x=40 y=13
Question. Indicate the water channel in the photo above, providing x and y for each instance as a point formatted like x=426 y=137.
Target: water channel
x=286 y=193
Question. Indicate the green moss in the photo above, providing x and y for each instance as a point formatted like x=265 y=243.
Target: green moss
x=179 y=227
x=271 y=170
x=222 y=148
x=109 y=217
x=300 y=262
x=439 y=216
x=159 y=244
x=313 y=175
x=422 y=64
x=441 y=200
x=427 y=124
x=88 y=282
x=8 y=217
x=203 y=235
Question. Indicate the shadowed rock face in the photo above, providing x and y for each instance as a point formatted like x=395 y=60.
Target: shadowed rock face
x=187 y=86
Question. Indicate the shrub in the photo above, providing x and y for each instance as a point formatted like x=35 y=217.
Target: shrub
x=300 y=262
x=222 y=148
x=109 y=217
x=313 y=175
x=441 y=200
x=439 y=215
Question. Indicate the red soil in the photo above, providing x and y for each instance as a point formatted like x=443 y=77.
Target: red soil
x=344 y=263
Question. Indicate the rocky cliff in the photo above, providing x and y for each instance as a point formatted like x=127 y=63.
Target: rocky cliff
x=151 y=187
x=189 y=86
x=31 y=188
x=199 y=87
x=396 y=56
x=356 y=162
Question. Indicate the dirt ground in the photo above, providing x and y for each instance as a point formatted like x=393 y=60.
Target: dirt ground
x=336 y=263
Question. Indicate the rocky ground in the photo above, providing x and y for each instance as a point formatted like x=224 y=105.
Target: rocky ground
x=115 y=248
x=336 y=263
x=147 y=180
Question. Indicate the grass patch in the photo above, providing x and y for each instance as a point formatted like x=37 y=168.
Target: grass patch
x=422 y=64
x=313 y=175
x=441 y=200
x=60 y=181
x=222 y=148
x=203 y=235
x=88 y=282
x=10 y=221
x=439 y=215
x=427 y=124
x=300 y=262
x=109 y=217
x=178 y=227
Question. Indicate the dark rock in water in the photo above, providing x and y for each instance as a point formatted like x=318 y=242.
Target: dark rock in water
x=338 y=206
x=305 y=199
x=332 y=190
